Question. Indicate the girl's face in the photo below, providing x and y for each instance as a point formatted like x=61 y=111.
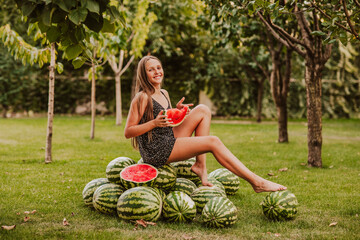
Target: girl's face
x=154 y=72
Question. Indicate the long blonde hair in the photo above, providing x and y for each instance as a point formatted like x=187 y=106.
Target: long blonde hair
x=144 y=85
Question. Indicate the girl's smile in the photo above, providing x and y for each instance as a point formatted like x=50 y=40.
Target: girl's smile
x=154 y=72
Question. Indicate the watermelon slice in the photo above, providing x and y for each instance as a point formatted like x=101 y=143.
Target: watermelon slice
x=176 y=116
x=138 y=175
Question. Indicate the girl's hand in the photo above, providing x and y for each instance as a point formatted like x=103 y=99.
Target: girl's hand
x=162 y=120
x=180 y=104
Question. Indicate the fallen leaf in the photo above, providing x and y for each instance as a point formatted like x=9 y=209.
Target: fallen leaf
x=332 y=224
x=274 y=153
x=331 y=166
x=271 y=174
x=61 y=174
x=283 y=169
x=187 y=237
x=151 y=223
x=277 y=234
x=8 y=227
x=302 y=164
x=65 y=223
x=27 y=212
x=357 y=215
x=33 y=211
x=26 y=218
x=17 y=213
x=141 y=222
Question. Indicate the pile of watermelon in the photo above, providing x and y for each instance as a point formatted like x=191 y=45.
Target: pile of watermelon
x=135 y=191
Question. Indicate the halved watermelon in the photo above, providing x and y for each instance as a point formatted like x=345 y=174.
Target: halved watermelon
x=138 y=175
x=176 y=116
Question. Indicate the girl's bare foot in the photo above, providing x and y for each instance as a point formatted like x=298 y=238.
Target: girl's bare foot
x=264 y=185
x=200 y=170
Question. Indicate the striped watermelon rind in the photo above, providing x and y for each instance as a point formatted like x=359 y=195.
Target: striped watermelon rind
x=114 y=168
x=140 y=203
x=219 y=212
x=127 y=184
x=184 y=185
x=216 y=183
x=183 y=169
x=229 y=180
x=203 y=194
x=179 y=207
x=90 y=188
x=166 y=178
x=280 y=205
x=106 y=196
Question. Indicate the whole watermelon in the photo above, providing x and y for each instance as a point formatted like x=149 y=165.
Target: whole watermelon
x=216 y=183
x=219 y=212
x=280 y=205
x=90 y=188
x=183 y=169
x=184 y=185
x=203 y=194
x=166 y=178
x=106 y=196
x=229 y=180
x=114 y=168
x=140 y=203
x=179 y=207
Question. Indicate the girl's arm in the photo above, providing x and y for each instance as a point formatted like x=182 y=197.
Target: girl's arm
x=133 y=128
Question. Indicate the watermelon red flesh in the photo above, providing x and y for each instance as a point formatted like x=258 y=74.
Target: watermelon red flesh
x=176 y=115
x=139 y=173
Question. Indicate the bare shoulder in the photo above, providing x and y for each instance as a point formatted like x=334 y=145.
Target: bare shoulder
x=165 y=92
x=140 y=97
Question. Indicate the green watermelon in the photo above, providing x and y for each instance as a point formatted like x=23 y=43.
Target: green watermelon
x=140 y=203
x=179 y=207
x=184 y=185
x=229 y=180
x=106 y=197
x=166 y=178
x=216 y=183
x=203 y=194
x=138 y=175
x=90 y=188
x=183 y=169
x=280 y=205
x=114 y=168
x=219 y=212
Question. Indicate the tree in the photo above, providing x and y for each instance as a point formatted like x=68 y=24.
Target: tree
x=235 y=25
x=127 y=43
x=64 y=22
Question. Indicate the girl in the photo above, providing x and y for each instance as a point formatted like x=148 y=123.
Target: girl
x=161 y=144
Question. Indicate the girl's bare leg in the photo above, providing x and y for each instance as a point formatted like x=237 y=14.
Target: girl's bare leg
x=187 y=147
x=198 y=120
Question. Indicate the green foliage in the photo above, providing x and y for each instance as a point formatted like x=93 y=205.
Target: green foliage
x=65 y=21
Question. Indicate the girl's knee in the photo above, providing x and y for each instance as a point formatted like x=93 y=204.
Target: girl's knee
x=214 y=141
x=205 y=110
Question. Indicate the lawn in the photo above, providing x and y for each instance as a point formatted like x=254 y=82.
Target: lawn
x=329 y=197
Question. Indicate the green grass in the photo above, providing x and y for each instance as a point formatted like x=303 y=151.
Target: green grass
x=326 y=195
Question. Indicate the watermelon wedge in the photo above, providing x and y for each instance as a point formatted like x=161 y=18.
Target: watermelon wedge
x=138 y=175
x=176 y=116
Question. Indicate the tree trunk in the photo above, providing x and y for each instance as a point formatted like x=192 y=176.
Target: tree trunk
x=282 y=123
x=49 y=132
x=260 y=93
x=93 y=102
x=118 y=99
x=313 y=72
x=5 y=110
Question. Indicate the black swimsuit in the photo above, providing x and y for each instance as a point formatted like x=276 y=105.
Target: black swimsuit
x=157 y=151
